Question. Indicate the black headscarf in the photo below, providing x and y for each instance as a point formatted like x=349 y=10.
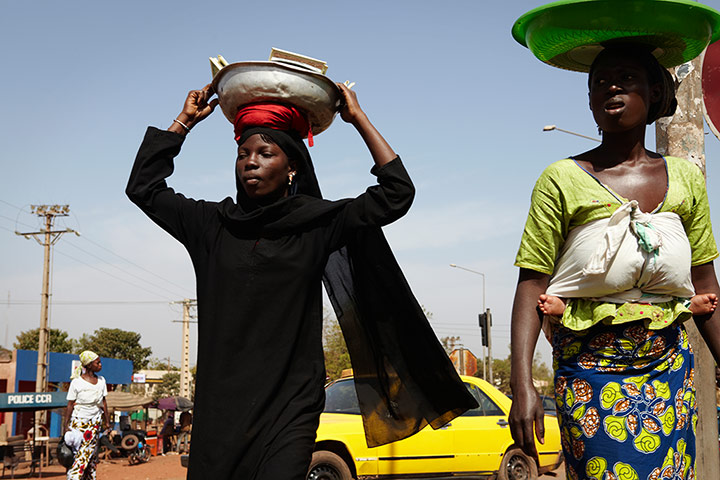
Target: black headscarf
x=291 y=143
x=404 y=378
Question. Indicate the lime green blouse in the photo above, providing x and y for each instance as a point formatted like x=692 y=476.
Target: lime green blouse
x=567 y=196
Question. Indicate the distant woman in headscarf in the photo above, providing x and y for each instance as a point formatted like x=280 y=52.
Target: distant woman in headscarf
x=259 y=263
x=86 y=410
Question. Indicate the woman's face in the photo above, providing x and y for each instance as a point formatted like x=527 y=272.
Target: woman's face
x=620 y=94
x=94 y=366
x=263 y=169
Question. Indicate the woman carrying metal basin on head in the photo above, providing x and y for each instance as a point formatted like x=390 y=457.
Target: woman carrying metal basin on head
x=622 y=236
x=259 y=262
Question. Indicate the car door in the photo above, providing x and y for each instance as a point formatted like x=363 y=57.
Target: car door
x=428 y=452
x=481 y=435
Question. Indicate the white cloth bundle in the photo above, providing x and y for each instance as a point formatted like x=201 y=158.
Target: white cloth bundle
x=629 y=257
x=73 y=439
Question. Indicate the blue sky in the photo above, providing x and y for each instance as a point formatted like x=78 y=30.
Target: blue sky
x=454 y=94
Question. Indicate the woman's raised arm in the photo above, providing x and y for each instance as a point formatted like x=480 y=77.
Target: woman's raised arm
x=351 y=112
x=195 y=110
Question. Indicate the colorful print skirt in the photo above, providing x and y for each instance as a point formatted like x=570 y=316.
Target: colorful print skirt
x=85 y=458
x=626 y=402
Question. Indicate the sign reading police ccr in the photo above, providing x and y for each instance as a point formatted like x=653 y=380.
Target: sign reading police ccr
x=25 y=398
x=32 y=401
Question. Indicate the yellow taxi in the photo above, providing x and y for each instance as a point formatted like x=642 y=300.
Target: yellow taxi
x=477 y=444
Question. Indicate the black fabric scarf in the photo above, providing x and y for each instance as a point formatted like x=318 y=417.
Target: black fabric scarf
x=403 y=377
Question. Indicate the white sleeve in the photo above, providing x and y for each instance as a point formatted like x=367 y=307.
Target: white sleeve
x=104 y=383
x=72 y=391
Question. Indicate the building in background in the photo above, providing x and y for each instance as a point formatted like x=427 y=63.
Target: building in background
x=147 y=381
x=18 y=371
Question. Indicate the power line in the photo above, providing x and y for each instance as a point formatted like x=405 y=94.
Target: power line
x=110 y=274
x=16 y=222
x=87 y=302
x=132 y=263
x=10 y=204
x=109 y=251
x=125 y=271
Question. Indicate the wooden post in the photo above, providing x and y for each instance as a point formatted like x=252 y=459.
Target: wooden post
x=683 y=136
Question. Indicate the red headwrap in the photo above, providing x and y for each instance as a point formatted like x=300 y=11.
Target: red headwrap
x=273 y=115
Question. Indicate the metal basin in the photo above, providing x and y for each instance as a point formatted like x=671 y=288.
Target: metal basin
x=243 y=83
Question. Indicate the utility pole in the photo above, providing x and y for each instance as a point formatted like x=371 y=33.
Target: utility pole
x=49 y=238
x=485 y=320
x=185 y=368
x=683 y=136
x=487 y=359
x=489 y=346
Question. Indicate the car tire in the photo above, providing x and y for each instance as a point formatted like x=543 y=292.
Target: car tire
x=328 y=466
x=129 y=441
x=516 y=465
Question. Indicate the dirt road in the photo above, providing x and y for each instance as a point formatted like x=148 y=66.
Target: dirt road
x=158 y=468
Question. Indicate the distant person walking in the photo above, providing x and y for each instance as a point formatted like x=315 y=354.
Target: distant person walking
x=168 y=432
x=183 y=444
x=86 y=410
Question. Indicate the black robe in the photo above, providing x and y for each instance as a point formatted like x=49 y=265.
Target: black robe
x=260 y=371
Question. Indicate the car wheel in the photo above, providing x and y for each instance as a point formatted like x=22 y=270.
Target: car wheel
x=516 y=465
x=328 y=466
x=129 y=441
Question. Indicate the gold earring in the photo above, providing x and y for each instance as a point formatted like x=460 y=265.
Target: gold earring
x=290 y=178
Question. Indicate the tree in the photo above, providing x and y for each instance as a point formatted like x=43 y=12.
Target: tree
x=542 y=375
x=169 y=387
x=501 y=374
x=449 y=343
x=336 y=353
x=160 y=364
x=116 y=343
x=58 y=340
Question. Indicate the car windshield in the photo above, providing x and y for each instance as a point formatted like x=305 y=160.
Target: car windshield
x=340 y=397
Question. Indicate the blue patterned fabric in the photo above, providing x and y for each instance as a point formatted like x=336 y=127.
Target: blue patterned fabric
x=626 y=402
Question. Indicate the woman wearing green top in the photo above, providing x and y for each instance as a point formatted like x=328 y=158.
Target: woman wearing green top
x=623 y=235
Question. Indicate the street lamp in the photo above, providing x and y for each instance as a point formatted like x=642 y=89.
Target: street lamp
x=550 y=128
x=488 y=360
x=478 y=273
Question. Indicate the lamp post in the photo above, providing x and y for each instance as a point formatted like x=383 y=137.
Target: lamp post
x=487 y=358
x=550 y=128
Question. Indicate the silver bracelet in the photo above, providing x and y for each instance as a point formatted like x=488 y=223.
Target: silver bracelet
x=187 y=129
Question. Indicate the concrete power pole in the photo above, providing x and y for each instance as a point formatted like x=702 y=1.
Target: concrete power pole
x=185 y=368
x=49 y=238
x=683 y=136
